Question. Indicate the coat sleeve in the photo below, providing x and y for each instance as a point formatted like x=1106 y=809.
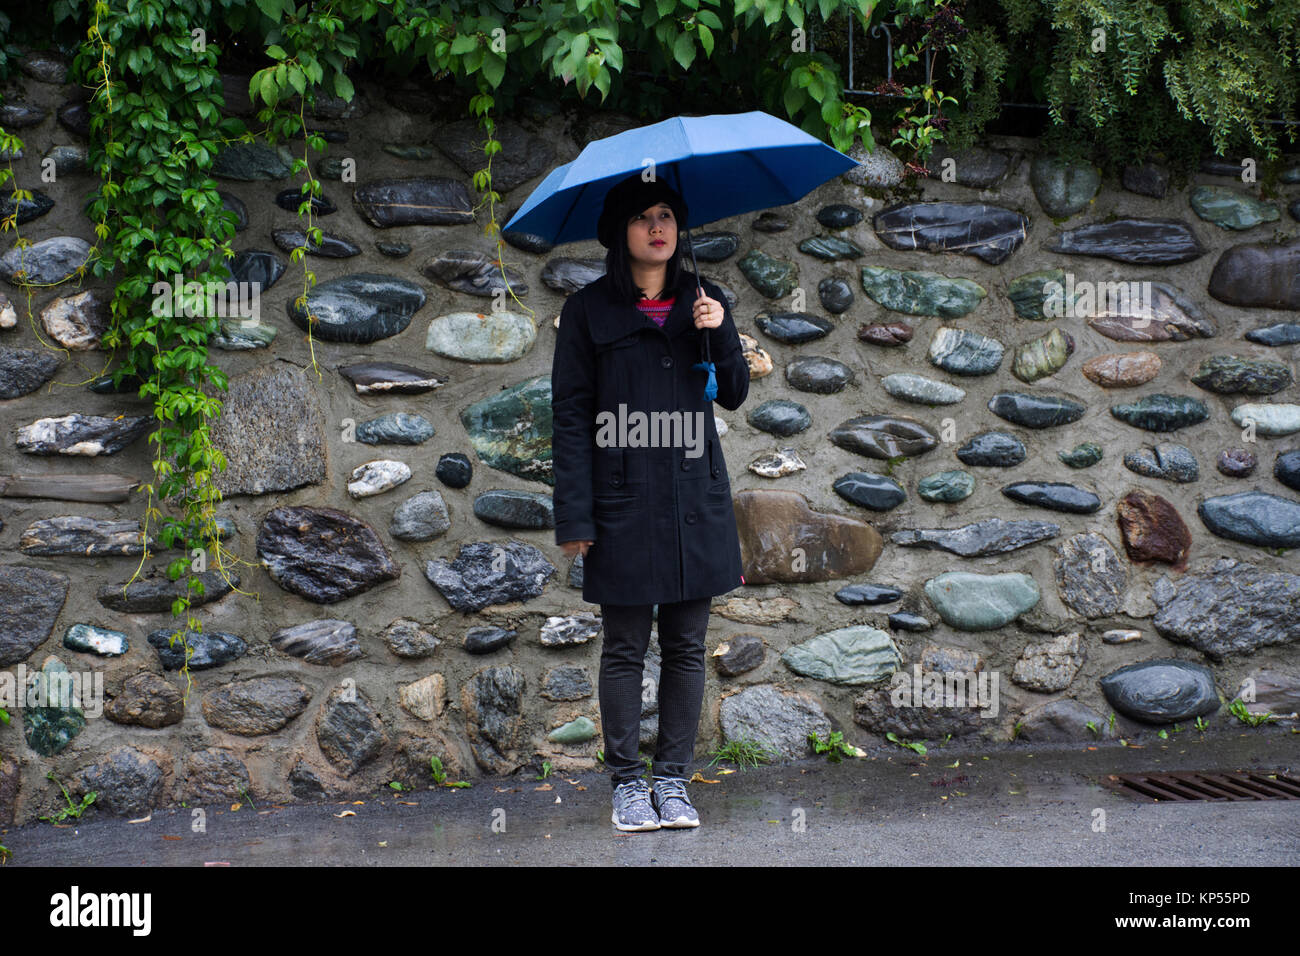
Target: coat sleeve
x=728 y=356
x=573 y=416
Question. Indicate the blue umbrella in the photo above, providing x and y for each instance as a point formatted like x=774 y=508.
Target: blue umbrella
x=723 y=165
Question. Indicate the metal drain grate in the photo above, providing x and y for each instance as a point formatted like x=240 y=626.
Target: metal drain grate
x=1185 y=785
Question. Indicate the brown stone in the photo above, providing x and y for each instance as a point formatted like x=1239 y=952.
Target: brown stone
x=758 y=360
x=782 y=539
x=756 y=610
x=1122 y=369
x=1259 y=274
x=1152 y=529
x=251 y=708
x=9 y=781
x=1152 y=312
x=885 y=333
x=147 y=700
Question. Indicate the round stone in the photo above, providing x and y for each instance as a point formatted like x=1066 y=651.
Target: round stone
x=1236 y=462
x=454 y=470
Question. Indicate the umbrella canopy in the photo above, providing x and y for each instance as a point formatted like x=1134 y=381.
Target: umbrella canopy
x=723 y=165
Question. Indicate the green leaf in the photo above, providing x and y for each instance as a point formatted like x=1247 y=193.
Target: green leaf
x=706 y=38
x=343 y=86
x=276 y=52
x=270 y=92
x=272 y=8
x=463 y=44
x=684 y=50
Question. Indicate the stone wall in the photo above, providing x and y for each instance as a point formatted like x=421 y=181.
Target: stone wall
x=392 y=612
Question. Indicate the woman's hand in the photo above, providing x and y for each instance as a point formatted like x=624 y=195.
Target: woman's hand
x=576 y=547
x=708 y=311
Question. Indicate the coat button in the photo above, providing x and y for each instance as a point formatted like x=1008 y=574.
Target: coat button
x=686 y=466
x=690 y=517
x=616 y=481
x=666 y=362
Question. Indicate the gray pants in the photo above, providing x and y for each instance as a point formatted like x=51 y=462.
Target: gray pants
x=681 y=685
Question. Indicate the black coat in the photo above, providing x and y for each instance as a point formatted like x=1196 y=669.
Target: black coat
x=662 y=521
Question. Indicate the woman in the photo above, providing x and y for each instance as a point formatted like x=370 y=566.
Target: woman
x=641 y=486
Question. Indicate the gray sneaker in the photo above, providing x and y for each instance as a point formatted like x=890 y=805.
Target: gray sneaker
x=632 y=808
x=672 y=804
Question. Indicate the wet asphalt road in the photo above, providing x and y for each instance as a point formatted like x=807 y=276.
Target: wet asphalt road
x=1008 y=806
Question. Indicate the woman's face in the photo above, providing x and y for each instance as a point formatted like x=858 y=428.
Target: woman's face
x=652 y=235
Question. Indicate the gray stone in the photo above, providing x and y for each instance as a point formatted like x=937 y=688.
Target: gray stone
x=377 y=477
x=419 y=201
x=86 y=435
x=389 y=378
x=271 y=431
x=494 y=337
x=410 y=639
x=421 y=517
x=1229 y=208
x=990 y=536
x=252 y=708
x=30 y=602
x=492 y=700
x=214 y=776
x=1230 y=608
x=1167 y=460
x=1271 y=419
x=155 y=595
x=508 y=508
x=1091 y=578
x=1255 y=517
x=23 y=371
x=1063 y=188
x=1062 y=721
x=1161 y=691
x=780 y=720
x=780 y=417
x=47 y=262
x=323 y=641
x=396 y=428
x=739 y=654
x=83 y=537
x=566 y=682
x=921 y=390
x=818 y=374
x=360 y=308
x=91 y=639
x=207 y=649
x=963 y=352
x=1051 y=665
x=1140 y=241
x=569 y=631
x=472 y=581
x=946 y=486
x=349 y=732
x=990 y=233
x=125 y=782
x=323 y=554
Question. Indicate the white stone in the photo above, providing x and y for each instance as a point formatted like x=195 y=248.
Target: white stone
x=376 y=477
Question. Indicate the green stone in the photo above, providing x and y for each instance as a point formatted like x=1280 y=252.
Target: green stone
x=251 y=162
x=574 y=732
x=50 y=728
x=773 y=278
x=1029 y=293
x=981 y=602
x=511 y=430
x=242 y=335
x=848 y=656
x=330 y=168
x=1160 y=412
x=1043 y=356
x=922 y=293
x=1084 y=455
x=831 y=248
x=1063 y=188
x=1233 y=374
x=1229 y=209
x=946 y=486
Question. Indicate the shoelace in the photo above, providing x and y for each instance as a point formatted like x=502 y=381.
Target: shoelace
x=671 y=787
x=632 y=791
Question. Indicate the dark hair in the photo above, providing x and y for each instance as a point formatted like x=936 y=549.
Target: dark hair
x=618 y=259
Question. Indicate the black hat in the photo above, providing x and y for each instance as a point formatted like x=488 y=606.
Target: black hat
x=631 y=196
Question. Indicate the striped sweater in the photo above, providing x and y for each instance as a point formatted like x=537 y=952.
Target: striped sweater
x=657 y=309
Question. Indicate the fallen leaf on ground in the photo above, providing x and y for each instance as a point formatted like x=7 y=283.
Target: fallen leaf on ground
x=545 y=786
x=142 y=819
x=408 y=803
x=215 y=863
x=167 y=836
x=346 y=813
x=358 y=803
x=721 y=772
x=384 y=843
x=235 y=806
x=699 y=778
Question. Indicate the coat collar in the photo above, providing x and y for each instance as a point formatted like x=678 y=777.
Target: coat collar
x=608 y=320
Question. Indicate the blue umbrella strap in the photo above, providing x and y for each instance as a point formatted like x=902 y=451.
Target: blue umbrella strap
x=711 y=386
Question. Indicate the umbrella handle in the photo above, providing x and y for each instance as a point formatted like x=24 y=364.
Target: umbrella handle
x=698 y=287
